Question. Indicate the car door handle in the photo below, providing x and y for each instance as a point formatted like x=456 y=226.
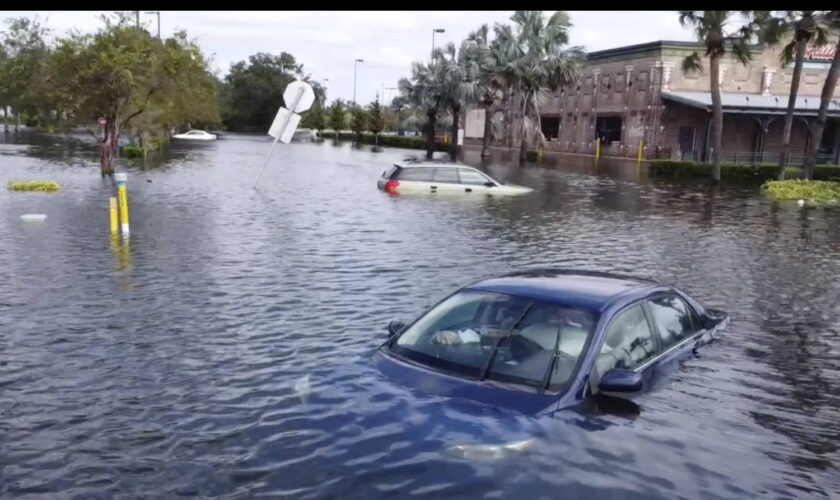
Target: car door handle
x=468 y=190
x=433 y=188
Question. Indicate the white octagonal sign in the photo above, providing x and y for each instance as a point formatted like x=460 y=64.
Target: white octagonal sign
x=298 y=96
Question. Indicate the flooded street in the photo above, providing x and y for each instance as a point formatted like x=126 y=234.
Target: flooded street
x=225 y=349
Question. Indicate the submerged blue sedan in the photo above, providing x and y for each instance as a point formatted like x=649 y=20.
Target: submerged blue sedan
x=540 y=341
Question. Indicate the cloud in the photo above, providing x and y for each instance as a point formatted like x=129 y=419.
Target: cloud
x=327 y=43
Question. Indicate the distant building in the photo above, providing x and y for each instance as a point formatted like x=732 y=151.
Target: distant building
x=639 y=93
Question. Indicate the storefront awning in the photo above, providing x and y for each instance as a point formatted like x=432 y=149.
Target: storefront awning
x=773 y=104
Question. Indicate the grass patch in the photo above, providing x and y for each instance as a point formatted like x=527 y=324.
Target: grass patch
x=748 y=173
x=46 y=186
x=796 y=189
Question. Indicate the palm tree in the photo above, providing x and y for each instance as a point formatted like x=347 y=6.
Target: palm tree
x=805 y=27
x=833 y=18
x=459 y=84
x=540 y=63
x=424 y=91
x=495 y=77
x=716 y=30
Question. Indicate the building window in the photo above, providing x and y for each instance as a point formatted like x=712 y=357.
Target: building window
x=608 y=129
x=606 y=85
x=550 y=127
x=642 y=80
x=619 y=82
x=587 y=86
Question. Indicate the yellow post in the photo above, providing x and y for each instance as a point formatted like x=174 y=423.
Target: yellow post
x=540 y=154
x=641 y=151
x=598 y=148
x=121 y=179
x=114 y=222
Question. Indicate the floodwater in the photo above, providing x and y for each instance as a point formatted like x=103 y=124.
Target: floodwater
x=224 y=349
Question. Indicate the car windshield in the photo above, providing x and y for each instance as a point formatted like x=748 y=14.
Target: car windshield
x=500 y=337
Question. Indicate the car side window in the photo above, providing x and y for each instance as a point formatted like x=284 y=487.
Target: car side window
x=472 y=177
x=446 y=174
x=416 y=174
x=672 y=319
x=629 y=342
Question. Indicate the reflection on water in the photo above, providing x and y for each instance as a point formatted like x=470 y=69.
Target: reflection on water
x=225 y=348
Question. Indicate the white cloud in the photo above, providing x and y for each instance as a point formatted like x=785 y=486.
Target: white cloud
x=327 y=43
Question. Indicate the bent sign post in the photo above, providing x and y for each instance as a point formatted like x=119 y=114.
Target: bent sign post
x=299 y=96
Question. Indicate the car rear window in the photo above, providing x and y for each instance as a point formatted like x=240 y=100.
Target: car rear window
x=420 y=174
x=388 y=174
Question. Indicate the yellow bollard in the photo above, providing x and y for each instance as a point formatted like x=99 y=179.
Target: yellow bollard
x=597 y=148
x=114 y=222
x=641 y=151
x=540 y=155
x=121 y=179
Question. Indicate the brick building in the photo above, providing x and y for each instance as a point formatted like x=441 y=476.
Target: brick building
x=639 y=93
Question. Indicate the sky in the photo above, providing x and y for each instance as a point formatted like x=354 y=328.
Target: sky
x=328 y=43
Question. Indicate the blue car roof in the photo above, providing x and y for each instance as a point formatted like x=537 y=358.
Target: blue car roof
x=579 y=289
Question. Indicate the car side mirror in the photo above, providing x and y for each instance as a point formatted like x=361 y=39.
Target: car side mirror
x=490 y=184
x=396 y=326
x=620 y=381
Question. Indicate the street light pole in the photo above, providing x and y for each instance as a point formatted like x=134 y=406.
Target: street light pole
x=137 y=17
x=355 y=63
x=436 y=30
x=158 y=20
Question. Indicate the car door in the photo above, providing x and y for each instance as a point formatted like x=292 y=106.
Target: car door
x=629 y=344
x=677 y=329
x=473 y=181
x=415 y=180
x=446 y=181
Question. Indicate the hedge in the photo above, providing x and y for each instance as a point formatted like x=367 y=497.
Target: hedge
x=394 y=141
x=759 y=172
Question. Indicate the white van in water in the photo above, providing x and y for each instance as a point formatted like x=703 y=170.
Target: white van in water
x=437 y=177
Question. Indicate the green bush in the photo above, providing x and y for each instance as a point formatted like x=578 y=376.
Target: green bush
x=798 y=189
x=133 y=151
x=48 y=186
x=758 y=173
x=394 y=141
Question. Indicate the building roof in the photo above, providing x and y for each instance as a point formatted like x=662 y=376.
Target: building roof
x=753 y=103
x=649 y=46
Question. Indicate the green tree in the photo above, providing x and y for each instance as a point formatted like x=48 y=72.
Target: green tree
x=359 y=120
x=460 y=82
x=337 y=116
x=21 y=68
x=121 y=73
x=540 y=63
x=424 y=91
x=376 y=121
x=830 y=84
x=804 y=26
x=720 y=33
x=256 y=89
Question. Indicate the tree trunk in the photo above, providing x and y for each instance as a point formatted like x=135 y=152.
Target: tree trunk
x=819 y=125
x=488 y=127
x=108 y=146
x=717 y=116
x=794 y=89
x=5 y=119
x=17 y=121
x=509 y=119
x=430 y=134
x=523 y=143
x=456 y=116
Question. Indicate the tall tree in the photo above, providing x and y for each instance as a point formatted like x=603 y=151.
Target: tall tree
x=425 y=92
x=833 y=19
x=541 y=63
x=375 y=119
x=721 y=31
x=805 y=28
x=338 y=120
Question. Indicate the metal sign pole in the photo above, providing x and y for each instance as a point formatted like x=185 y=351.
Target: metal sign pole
x=280 y=133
